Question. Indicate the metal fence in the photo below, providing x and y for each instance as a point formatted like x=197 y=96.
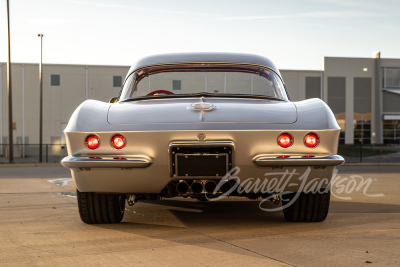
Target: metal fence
x=360 y=152
x=30 y=153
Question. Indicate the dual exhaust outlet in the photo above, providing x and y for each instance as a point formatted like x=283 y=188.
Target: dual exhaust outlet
x=197 y=187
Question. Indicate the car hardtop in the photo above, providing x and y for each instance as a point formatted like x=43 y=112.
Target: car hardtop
x=234 y=59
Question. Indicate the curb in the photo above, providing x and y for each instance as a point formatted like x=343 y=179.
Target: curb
x=8 y=165
x=373 y=164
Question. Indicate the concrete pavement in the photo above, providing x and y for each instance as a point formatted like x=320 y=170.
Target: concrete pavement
x=40 y=225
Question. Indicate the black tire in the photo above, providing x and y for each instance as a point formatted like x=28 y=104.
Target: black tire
x=97 y=208
x=308 y=207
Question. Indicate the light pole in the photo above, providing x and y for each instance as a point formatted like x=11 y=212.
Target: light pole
x=41 y=98
x=10 y=122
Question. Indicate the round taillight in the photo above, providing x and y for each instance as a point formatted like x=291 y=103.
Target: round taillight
x=92 y=141
x=311 y=140
x=285 y=140
x=118 y=141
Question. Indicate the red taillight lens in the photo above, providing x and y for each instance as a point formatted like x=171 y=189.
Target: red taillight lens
x=285 y=140
x=311 y=140
x=118 y=141
x=92 y=141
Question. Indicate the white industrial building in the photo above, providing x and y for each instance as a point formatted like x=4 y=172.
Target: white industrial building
x=364 y=94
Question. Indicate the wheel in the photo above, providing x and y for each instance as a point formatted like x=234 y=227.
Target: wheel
x=308 y=207
x=97 y=208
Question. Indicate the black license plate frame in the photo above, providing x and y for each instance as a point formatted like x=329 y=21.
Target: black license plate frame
x=201 y=165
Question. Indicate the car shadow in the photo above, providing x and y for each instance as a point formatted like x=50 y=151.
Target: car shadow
x=235 y=214
x=253 y=207
x=198 y=223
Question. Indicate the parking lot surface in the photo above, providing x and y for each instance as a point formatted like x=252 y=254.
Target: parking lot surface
x=40 y=225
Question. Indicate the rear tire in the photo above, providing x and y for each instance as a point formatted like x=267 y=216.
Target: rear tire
x=97 y=208
x=308 y=207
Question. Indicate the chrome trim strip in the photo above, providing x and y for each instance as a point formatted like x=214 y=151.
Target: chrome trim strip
x=298 y=160
x=86 y=162
x=201 y=143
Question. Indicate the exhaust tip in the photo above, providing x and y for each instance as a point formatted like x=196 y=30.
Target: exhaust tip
x=225 y=186
x=196 y=187
x=210 y=186
x=182 y=188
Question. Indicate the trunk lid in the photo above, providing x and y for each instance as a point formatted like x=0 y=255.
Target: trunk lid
x=226 y=110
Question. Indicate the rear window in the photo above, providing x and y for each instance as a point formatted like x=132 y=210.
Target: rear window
x=264 y=82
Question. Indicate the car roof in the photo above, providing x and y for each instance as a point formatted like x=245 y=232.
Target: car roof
x=208 y=58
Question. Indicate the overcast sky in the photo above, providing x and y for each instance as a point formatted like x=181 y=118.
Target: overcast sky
x=294 y=34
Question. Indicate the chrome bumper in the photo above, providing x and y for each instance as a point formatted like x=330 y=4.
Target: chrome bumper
x=87 y=162
x=273 y=160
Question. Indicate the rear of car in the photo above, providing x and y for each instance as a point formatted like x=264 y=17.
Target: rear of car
x=225 y=128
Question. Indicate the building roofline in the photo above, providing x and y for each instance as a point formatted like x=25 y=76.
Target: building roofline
x=362 y=57
x=303 y=70
x=58 y=64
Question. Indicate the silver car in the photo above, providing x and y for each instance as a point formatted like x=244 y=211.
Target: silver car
x=203 y=126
